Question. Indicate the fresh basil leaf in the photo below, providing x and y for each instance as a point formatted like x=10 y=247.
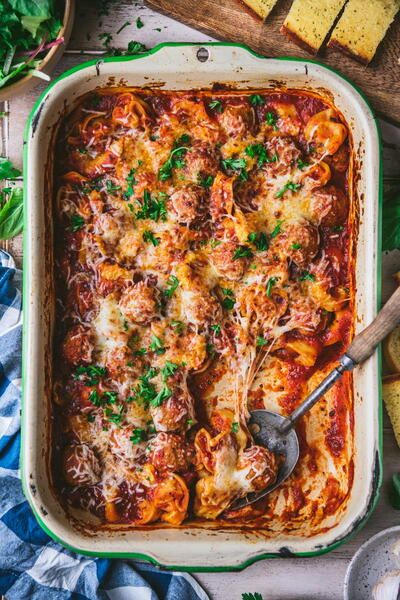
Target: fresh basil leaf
x=12 y=215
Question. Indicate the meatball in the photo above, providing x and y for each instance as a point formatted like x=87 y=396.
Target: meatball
x=260 y=467
x=170 y=452
x=77 y=346
x=283 y=154
x=329 y=206
x=188 y=204
x=237 y=120
x=201 y=160
x=299 y=241
x=223 y=260
x=122 y=447
x=107 y=226
x=80 y=465
x=176 y=413
x=139 y=303
x=200 y=307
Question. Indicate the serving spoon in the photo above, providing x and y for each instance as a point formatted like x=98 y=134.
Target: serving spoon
x=276 y=432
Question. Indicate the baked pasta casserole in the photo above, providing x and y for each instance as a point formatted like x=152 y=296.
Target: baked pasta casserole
x=204 y=268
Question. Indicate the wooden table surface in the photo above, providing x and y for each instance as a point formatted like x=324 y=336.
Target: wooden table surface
x=278 y=579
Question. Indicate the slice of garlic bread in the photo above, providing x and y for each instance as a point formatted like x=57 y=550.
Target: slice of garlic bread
x=391 y=350
x=309 y=22
x=261 y=7
x=391 y=397
x=362 y=27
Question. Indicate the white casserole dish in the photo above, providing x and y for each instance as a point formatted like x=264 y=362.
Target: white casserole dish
x=182 y=66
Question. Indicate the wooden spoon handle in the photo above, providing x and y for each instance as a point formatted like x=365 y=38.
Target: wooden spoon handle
x=386 y=320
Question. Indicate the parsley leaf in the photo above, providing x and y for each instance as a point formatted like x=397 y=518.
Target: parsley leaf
x=238 y=165
x=307 y=276
x=242 y=251
x=172 y=284
x=135 y=48
x=229 y=301
x=139 y=23
x=206 y=181
x=148 y=236
x=152 y=208
x=259 y=151
x=256 y=100
x=270 y=284
x=234 y=427
x=293 y=187
x=157 y=345
x=216 y=329
x=296 y=246
x=260 y=341
x=92 y=373
x=175 y=160
x=169 y=369
x=277 y=229
x=216 y=105
x=179 y=326
x=110 y=187
x=250 y=596
x=138 y=435
x=271 y=119
x=77 y=222
x=259 y=240
x=302 y=164
x=162 y=395
x=126 y=24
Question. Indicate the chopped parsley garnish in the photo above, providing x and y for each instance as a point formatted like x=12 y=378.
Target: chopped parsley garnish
x=131 y=181
x=270 y=284
x=138 y=435
x=235 y=427
x=110 y=187
x=139 y=23
x=293 y=187
x=260 y=341
x=259 y=239
x=271 y=119
x=216 y=329
x=302 y=164
x=179 y=326
x=214 y=243
x=337 y=228
x=135 y=48
x=242 y=251
x=307 y=276
x=172 y=284
x=206 y=181
x=90 y=374
x=277 y=229
x=256 y=100
x=101 y=400
x=152 y=207
x=296 y=246
x=148 y=236
x=175 y=160
x=91 y=417
x=238 y=165
x=210 y=350
x=259 y=151
x=77 y=222
x=229 y=301
x=250 y=596
x=216 y=105
x=126 y=24
x=114 y=417
x=107 y=39
x=162 y=395
x=139 y=352
x=189 y=422
x=157 y=345
x=169 y=369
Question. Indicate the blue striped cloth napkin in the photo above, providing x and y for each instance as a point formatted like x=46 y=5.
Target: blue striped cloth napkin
x=31 y=564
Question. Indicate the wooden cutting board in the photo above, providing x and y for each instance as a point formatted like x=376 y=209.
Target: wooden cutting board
x=232 y=20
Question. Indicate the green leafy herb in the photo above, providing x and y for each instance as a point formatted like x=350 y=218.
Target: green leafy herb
x=271 y=119
x=338 y=228
x=216 y=105
x=259 y=151
x=138 y=435
x=157 y=345
x=135 y=48
x=270 y=284
x=302 y=164
x=110 y=187
x=148 y=236
x=293 y=187
x=214 y=243
x=91 y=418
x=162 y=395
x=153 y=208
x=277 y=229
x=256 y=100
x=77 y=222
x=260 y=341
x=172 y=284
x=242 y=251
x=206 y=181
x=90 y=375
x=114 y=417
x=250 y=596
x=179 y=326
x=131 y=182
x=28 y=28
x=126 y=24
x=307 y=276
x=169 y=369
x=216 y=329
x=234 y=427
x=175 y=159
x=11 y=213
x=259 y=239
x=238 y=165
x=7 y=169
x=229 y=301
x=296 y=246
x=139 y=23
x=107 y=39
